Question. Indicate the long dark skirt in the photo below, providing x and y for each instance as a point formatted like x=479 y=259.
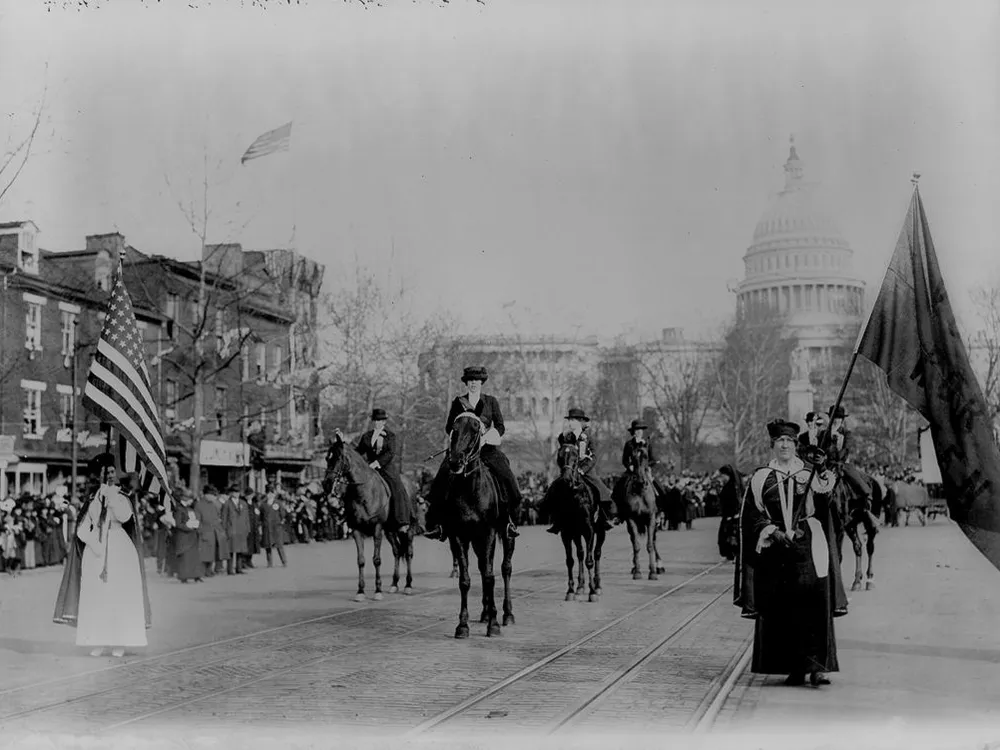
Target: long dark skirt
x=187 y=554
x=794 y=630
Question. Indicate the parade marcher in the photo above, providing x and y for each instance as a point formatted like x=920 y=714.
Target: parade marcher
x=577 y=434
x=252 y=503
x=487 y=408
x=815 y=424
x=272 y=518
x=186 y=537
x=785 y=568
x=838 y=456
x=211 y=538
x=103 y=592
x=236 y=526
x=637 y=440
x=378 y=448
x=730 y=497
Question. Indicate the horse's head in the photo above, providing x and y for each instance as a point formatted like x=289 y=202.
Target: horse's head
x=568 y=458
x=336 y=467
x=466 y=437
x=640 y=461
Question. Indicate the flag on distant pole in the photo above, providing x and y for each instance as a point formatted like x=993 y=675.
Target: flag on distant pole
x=912 y=336
x=270 y=142
x=118 y=391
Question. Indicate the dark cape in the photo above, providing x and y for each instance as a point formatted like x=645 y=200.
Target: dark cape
x=730 y=498
x=779 y=586
x=68 y=598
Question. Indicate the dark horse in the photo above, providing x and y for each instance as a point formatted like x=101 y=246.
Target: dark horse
x=579 y=525
x=853 y=516
x=473 y=517
x=366 y=510
x=638 y=511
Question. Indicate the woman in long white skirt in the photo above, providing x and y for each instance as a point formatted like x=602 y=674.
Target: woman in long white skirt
x=111 y=613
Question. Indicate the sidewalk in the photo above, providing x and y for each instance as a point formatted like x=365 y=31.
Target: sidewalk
x=919 y=654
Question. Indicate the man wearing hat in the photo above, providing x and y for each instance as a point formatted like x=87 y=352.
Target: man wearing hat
x=378 y=448
x=838 y=451
x=487 y=408
x=578 y=435
x=637 y=440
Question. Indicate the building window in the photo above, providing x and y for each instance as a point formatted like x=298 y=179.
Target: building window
x=519 y=406
x=275 y=363
x=33 y=326
x=220 y=325
x=65 y=410
x=277 y=424
x=545 y=407
x=170 y=408
x=171 y=308
x=221 y=408
x=263 y=420
x=68 y=333
x=245 y=360
x=261 y=362
x=32 y=410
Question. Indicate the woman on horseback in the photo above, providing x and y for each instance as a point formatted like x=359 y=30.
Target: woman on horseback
x=578 y=435
x=487 y=408
x=786 y=565
x=637 y=441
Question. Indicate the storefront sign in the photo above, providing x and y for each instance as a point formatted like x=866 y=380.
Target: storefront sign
x=219 y=453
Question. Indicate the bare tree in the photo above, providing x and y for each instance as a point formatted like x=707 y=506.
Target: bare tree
x=17 y=150
x=887 y=424
x=684 y=387
x=984 y=345
x=752 y=376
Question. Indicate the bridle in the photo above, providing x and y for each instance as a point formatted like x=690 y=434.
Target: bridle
x=336 y=475
x=470 y=462
x=574 y=478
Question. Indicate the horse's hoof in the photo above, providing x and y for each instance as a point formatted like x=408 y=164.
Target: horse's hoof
x=378 y=596
x=660 y=569
x=856 y=586
x=653 y=576
x=869 y=585
x=493 y=629
x=462 y=631
x=636 y=576
x=394 y=589
x=598 y=591
x=595 y=597
x=407 y=591
x=359 y=597
x=571 y=596
x=508 y=620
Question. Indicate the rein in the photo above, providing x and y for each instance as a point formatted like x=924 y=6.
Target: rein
x=470 y=463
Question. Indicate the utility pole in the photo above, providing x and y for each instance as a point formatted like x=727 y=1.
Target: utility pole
x=74 y=449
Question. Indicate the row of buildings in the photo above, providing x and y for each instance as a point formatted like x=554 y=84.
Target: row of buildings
x=230 y=342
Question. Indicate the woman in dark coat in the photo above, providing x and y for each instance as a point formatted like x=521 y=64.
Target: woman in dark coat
x=730 y=497
x=187 y=552
x=786 y=560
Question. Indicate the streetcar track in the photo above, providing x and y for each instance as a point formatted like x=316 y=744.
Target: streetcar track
x=534 y=667
x=708 y=711
x=285 y=644
x=611 y=683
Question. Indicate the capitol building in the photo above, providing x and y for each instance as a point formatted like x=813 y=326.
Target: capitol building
x=799 y=266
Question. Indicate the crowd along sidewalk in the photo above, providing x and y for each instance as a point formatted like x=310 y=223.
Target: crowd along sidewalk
x=919 y=654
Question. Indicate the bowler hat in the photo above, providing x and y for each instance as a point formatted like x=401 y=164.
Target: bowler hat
x=837 y=412
x=782 y=428
x=475 y=373
x=379 y=415
x=575 y=413
x=637 y=424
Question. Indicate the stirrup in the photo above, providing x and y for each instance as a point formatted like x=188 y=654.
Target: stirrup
x=512 y=531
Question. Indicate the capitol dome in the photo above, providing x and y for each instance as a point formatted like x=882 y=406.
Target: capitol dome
x=800 y=266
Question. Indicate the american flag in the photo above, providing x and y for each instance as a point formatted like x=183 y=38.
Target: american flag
x=118 y=391
x=272 y=141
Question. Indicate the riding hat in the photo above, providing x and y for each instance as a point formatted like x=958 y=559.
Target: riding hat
x=810 y=417
x=840 y=413
x=99 y=462
x=379 y=415
x=475 y=373
x=575 y=413
x=637 y=424
x=782 y=428
x=813 y=454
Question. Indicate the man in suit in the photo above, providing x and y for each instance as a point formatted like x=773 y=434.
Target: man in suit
x=378 y=448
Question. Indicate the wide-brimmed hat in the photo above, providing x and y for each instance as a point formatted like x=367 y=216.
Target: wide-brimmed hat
x=475 y=373
x=99 y=462
x=837 y=413
x=379 y=415
x=782 y=428
x=575 y=413
x=638 y=424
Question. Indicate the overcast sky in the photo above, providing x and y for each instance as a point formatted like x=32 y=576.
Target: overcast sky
x=601 y=164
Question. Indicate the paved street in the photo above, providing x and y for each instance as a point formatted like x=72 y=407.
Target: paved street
x=287 y=651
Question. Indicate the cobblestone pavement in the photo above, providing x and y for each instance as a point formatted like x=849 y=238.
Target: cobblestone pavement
x=288 y=648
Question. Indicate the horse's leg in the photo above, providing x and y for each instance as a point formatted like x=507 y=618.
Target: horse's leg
x=359 y=541
x=590 y=537
x=506 y=568
x=598 y=548
x=633 y=533
x=394 y=545
x=377 y=562
x=571 y=584
x=485 y=550
x=870 y=544
x=408 y=541
x=581 y=564
x=651 y=550
x=852 y=533
x=464 y=584
x=454 y=565
x=660 y=568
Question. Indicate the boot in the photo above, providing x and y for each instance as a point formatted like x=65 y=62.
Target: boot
x=554 y=529
x=818 y=678
x=436 y=533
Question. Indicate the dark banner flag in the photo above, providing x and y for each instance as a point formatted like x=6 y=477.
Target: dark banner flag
x=913 y=338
